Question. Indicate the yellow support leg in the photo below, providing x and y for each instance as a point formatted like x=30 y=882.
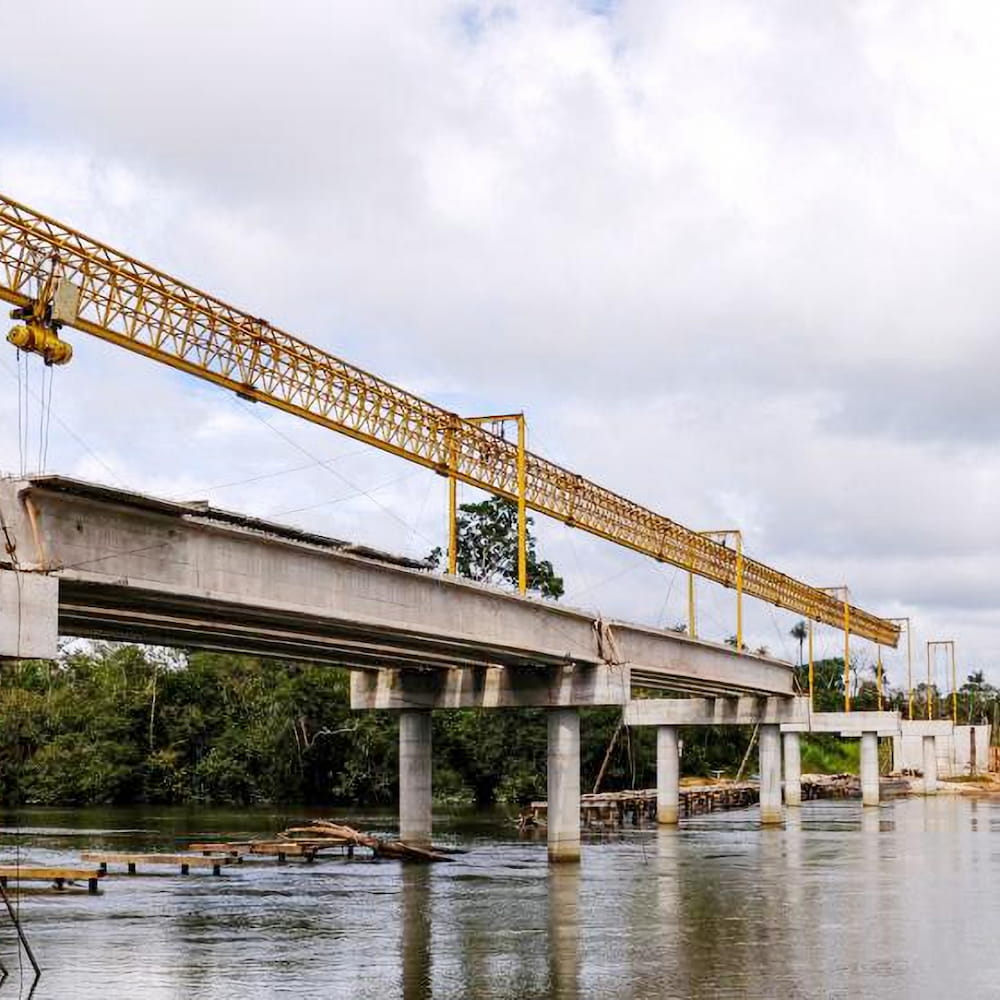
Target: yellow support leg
x=739 y=591
x=847 y=653
x=878 y=678
x=522 y=508
x=452 y=525
x=812 y=672
x=692 y=620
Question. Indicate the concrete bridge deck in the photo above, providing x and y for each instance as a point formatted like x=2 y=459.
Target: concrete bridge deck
x=85 y=560
x=129 y=567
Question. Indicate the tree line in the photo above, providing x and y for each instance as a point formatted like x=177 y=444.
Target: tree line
x=116 y=724
x=120 y=724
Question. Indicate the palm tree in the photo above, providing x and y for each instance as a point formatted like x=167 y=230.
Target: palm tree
x=799 y=631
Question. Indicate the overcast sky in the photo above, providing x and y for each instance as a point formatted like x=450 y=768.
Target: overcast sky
x=735 y=260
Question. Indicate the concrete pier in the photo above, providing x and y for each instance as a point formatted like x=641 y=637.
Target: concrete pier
x=770 y=774
x=869 y=769
x=564 y=784
x=415 y=777
x=930 y=765
x=793 y=768
x=667 y=775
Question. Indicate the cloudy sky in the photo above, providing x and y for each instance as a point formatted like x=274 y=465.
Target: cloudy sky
x=732 y=259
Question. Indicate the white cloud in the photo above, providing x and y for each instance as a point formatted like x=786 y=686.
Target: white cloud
x=733 y=259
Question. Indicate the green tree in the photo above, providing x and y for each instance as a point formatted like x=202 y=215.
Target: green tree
x=487 y=548
x=800 y=632
x=494 y=754
x=977 y=696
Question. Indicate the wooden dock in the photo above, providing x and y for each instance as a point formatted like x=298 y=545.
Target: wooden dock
x=59 y=877
x=611 y=810
x=185 y=862
x=280 y=849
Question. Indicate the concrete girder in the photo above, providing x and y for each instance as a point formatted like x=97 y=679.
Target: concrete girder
x=136 y=568
x=490 y=687
x=847 y=724
x=744 y=711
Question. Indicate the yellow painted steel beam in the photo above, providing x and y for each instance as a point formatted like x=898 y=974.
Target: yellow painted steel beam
x=128 y=303
x=812 y=672
x=522 y=514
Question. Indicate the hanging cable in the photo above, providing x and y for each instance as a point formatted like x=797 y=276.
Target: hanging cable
x=48 y=419
x=20 y=418
x=339 y=475
x=27 y=413
x=115 y=478
x=46 y=377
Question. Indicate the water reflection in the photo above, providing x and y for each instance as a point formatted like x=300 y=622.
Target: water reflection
x=564 y=931
x=416 y=918
x=887 y=902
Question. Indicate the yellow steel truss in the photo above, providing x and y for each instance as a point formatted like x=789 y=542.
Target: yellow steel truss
x=137 y=307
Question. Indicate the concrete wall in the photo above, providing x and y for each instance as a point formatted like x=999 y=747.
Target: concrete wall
x=952 y=744
x=28 y=615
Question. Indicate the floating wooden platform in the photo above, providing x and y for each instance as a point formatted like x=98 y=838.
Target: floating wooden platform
x=59 y=877
x=233 y=849
x=280 y=849
x=183 y=861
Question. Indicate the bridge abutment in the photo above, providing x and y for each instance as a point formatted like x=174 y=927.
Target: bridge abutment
x=564 y=784
x=29 y=616
x=792 y=746
x=770 y=775
x=930 y=765
x=415 y=779
x=869 y=769
x=668 y=772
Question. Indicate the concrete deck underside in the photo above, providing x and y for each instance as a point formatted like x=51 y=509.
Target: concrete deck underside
x=134 y=568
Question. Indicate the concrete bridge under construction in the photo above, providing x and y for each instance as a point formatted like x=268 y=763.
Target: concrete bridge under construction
x=85 y=560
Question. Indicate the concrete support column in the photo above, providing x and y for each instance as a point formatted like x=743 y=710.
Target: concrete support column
x=415 y=776
x=930 y=765
x=869 y=769
x=668 y=773
x=793 y=768
x=564 y=784
x=770 y=774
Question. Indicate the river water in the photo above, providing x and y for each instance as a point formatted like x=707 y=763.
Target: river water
x=899 y=901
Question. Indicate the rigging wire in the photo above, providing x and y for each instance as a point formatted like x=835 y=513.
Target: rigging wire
x=339 y=475
x=27 y=414
x=348 y=496
x=420 y=511
x=20 y=418
x=782 y=640
x=48 y=419
x=62 y=423
x=267 y=475
x=661 y=615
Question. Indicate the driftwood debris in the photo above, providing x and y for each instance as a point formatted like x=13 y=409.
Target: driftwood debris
x=327 y=833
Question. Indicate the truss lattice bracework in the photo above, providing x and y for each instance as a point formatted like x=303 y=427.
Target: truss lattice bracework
x=135 y=306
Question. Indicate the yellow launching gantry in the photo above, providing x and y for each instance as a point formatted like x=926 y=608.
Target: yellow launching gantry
x=55 y=276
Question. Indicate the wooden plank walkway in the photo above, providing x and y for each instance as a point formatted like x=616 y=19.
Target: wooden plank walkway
x=60 y=877
x=638 y=806
x=280 y=849
x=183 y=861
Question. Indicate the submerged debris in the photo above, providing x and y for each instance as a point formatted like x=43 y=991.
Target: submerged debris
x=324 y=833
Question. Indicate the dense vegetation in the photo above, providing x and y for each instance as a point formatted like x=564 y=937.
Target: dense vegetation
x=122 y=724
